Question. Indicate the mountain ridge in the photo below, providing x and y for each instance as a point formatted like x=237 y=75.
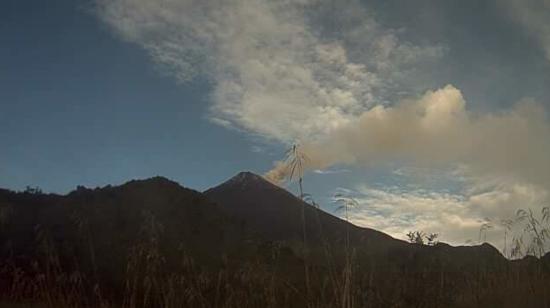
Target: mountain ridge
x=245 y=222
x=242 y=180
x=244 y=196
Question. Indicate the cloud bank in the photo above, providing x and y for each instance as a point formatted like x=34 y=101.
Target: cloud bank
x=437 y=129
x=456 y=217
x=534 y=16
x=501 y=159
x=279 y=69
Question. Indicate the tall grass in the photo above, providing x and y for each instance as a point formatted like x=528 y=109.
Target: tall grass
x=150 y=281
x=52 y=277
x=346 y=203
x=530 y=233
x=295 y=163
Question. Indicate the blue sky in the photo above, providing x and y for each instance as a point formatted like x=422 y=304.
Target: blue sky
x=81 y=107
x=432 y=113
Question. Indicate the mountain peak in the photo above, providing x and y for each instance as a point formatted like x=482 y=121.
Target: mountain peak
x=155 y=185
x=155 y=181
x=247 y=176
x=247 y=179
x=277 y=214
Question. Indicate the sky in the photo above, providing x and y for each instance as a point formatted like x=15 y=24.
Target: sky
x=432 y=114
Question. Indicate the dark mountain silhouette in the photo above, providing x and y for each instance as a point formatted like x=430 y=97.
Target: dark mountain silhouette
x=277 y=214
x=101 y=227
x=117 y=215
x=152 y=228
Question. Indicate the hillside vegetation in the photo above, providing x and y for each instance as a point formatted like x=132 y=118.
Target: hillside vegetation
x=244 y=243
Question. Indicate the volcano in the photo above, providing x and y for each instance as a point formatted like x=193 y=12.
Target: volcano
x=244 y=225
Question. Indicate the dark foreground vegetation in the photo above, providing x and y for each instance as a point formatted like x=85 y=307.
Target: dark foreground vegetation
x=245 y=243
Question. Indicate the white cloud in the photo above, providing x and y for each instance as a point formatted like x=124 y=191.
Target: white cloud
x=456 y=217
x=276 y=70
x=331 y=171
x=257 y=149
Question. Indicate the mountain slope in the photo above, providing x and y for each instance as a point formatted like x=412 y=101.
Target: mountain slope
x=277 y=214
x=390 y=264
x=103 y=228
x=240 y=241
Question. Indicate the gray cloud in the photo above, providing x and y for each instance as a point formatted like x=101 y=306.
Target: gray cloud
x=534 y=16
x=437 y=130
